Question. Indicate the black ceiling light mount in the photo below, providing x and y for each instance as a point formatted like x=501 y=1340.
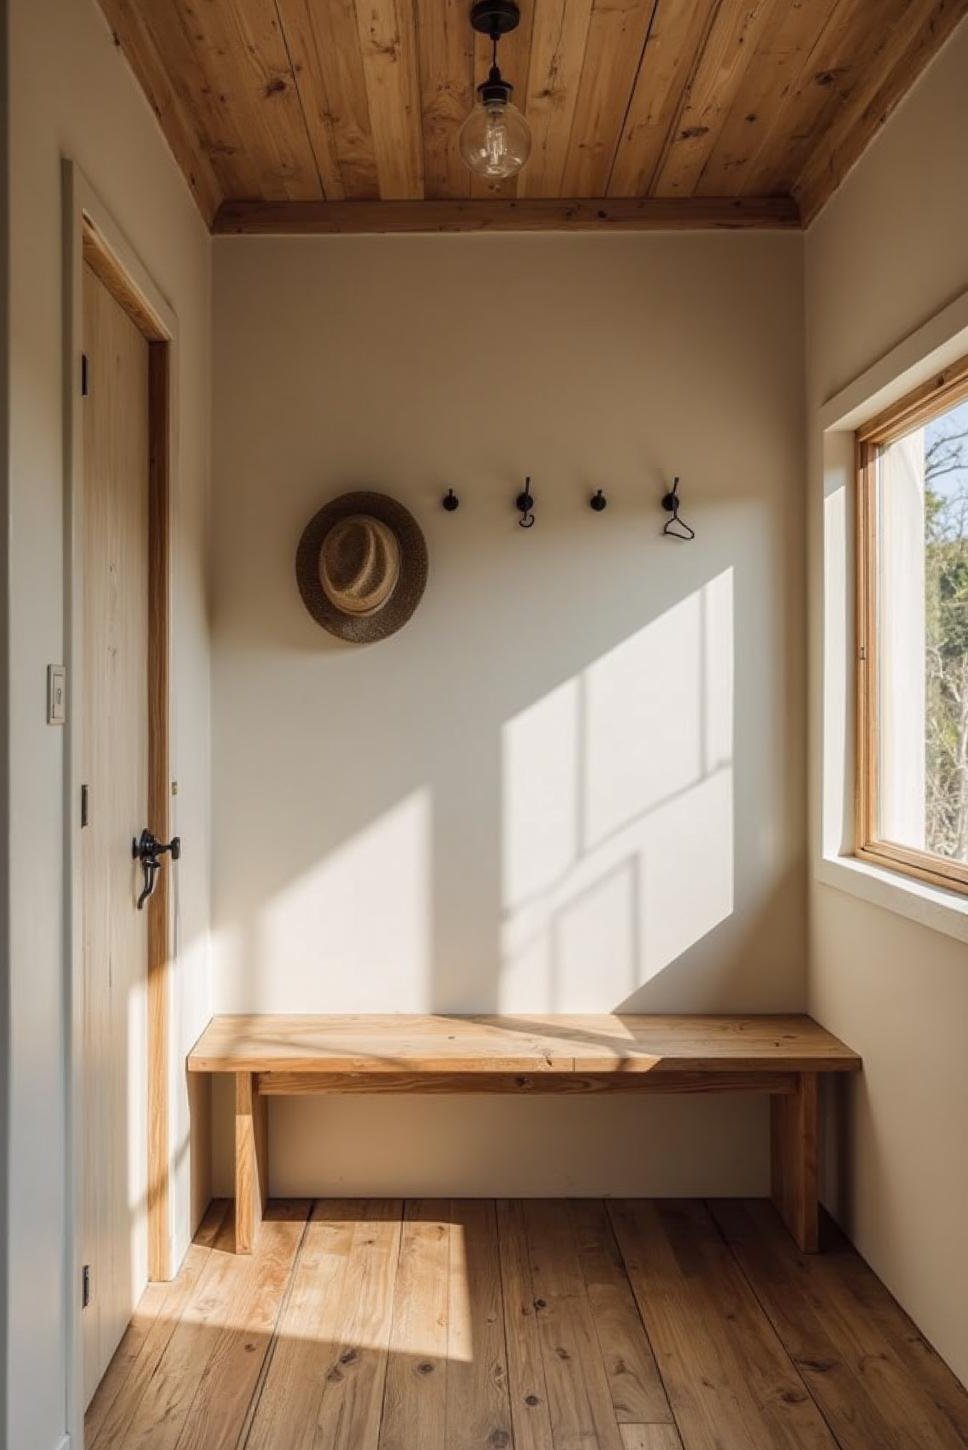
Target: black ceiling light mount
x=495 y=140
x=495 y=17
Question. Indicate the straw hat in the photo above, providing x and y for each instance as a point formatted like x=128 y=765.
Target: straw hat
x=361 y=566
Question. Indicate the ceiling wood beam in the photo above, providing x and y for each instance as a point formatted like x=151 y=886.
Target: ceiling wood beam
x=617 y=35
x=330 y=102
x=445 y=49
x=388 y=42
x=771 y=75
x=242 y=52
x=137 y=45
x=213 y=120
x=809 y=98
x=546 y=214
x=844 y=53
x=324 y=48
x=558 y=38
x=676 y=37
x=711 y=89
x=911 y=44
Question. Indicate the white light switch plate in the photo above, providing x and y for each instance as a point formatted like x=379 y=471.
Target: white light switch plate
x=56 y=695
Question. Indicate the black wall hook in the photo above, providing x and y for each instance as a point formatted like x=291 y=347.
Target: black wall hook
x=450 y=501
x=524 y=503
x=598 y=501
x=676 y=528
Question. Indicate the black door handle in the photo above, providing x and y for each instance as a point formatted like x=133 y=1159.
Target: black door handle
x=147 y=849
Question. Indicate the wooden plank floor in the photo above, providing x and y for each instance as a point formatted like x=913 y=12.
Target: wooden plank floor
x=528 y=1324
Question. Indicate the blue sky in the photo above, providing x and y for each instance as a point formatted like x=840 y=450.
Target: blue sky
x=955 y=420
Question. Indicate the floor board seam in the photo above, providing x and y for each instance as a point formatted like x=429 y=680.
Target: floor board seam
x=767 y=1316
x=504 y=1317
x=123 y=1384
x=673 y=1418
x=504 y=1312
x=393 y=1319
x=540 y=1321
x=174 y=1324
x=191 y=1403
x=248 y=1421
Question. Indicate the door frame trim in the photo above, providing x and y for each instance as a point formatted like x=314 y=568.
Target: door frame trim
x=91 y=235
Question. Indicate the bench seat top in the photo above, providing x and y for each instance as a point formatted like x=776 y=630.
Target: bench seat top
x=612 y=1043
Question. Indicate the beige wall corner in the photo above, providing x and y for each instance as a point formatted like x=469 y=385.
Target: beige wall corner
x=885 y=256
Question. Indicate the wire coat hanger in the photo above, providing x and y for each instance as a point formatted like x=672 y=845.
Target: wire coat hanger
x=675 y=528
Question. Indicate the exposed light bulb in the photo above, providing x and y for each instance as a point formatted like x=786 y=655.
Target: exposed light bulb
x=495 y=139
x=497 y=144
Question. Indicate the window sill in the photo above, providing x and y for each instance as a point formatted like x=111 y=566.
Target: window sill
x=930 y=906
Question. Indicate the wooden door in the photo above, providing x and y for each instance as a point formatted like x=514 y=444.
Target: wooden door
x=114 y=755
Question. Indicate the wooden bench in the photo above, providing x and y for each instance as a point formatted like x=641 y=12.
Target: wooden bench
x=272 y=1056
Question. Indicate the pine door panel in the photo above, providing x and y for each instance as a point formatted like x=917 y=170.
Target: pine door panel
x=114 y=724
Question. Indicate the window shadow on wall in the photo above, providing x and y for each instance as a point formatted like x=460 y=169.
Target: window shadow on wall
x=617 y=813
x=560 y=864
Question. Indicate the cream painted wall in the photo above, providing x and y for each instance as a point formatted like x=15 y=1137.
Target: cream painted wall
x=885 y=255
x=575 y=780
x=72 y=95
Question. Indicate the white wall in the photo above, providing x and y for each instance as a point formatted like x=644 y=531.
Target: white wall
x=72 y=95
x=575 y=780
x=885 y=255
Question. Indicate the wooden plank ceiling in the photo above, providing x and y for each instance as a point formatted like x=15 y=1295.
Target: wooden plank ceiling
x=333 y=115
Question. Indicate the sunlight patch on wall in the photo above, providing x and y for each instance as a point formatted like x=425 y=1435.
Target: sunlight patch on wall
x=717 y=611
x=618 y=813
x=687 y=876
x=644 y=721
x=539 y=806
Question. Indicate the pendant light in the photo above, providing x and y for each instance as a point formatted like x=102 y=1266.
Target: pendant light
x=495 y=139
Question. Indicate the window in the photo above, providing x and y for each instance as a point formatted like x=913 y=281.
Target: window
x=912 y=615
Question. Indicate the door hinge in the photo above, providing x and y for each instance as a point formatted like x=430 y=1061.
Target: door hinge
x=85 y=804
x=862 y=652
x=84 y=387
x=85 y=1286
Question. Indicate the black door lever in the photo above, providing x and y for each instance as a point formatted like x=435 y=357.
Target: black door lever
x=146 y=848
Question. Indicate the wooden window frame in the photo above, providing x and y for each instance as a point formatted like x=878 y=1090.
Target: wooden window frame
x=943 y=391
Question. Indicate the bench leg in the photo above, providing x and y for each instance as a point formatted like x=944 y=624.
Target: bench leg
x=251 y=1160
x=794 y=1121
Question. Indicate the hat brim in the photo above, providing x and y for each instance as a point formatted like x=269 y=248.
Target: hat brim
x=408 y=590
